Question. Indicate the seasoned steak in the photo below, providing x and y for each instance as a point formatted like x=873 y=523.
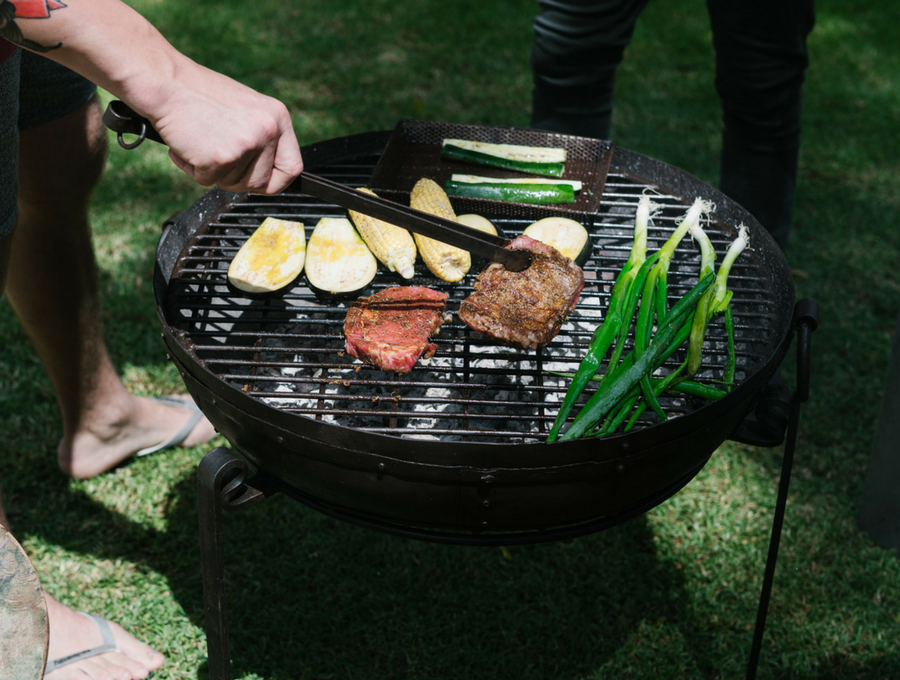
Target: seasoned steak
x=524 y=309
x=391 y=329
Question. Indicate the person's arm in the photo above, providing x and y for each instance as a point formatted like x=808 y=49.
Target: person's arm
x=218 y=130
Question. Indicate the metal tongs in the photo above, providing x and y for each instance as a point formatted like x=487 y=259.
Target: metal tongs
x=121 y=119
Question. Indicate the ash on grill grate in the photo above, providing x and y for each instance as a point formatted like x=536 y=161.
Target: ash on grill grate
x=289 y=353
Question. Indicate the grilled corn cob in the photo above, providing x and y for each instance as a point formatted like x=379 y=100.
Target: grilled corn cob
x=446 y=262
x=392 y=245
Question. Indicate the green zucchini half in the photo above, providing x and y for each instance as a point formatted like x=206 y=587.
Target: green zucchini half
x=568 y=237
x=576 y=184
x=536 y=160
x=535 y=194
x=339 y=264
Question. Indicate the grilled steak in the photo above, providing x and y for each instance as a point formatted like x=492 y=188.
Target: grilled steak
x=391 y=329
x=524 y=309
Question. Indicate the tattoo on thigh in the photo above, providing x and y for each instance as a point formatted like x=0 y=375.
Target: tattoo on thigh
x=10 y=10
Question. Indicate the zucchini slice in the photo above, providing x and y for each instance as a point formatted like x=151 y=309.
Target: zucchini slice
x=576 y=184
x=537 y=160
x=477 y=222
x=568 y=236
x=339 y=264
x=270 y=260
x=536 y=194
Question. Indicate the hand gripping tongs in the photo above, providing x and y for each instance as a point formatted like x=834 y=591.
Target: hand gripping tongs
x=121 y=119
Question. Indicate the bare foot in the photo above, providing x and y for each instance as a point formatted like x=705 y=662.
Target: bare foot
x=115 y=435
x=71 y=632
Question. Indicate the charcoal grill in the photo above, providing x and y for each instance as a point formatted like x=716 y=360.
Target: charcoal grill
x=455 y=451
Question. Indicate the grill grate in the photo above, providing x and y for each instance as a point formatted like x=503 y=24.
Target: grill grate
x=289 y=352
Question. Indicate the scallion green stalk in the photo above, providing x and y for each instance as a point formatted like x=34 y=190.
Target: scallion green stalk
x=607 y=332
x=717 y=299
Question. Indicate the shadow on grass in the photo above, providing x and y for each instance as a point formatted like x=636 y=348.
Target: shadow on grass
x=309 y=596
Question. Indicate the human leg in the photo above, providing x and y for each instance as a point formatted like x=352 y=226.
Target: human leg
x=761 y=59
x=9 y=153
x=53 y=288
x=72 y=632
x=578 y=44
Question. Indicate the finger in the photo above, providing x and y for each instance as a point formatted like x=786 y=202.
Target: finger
x=288 y=165
x=182 y=164
x=270 y=172
x=251 y=173
x=237 y=176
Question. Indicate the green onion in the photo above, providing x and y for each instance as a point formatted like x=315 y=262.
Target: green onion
x=609 y=329
x=716 y=301
x=654 y=297
x=628 y=376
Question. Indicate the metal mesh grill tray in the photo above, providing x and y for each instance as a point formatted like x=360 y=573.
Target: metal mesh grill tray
x=414 y=151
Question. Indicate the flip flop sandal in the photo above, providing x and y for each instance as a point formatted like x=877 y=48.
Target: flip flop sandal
x=178 y=437
x=109 y=645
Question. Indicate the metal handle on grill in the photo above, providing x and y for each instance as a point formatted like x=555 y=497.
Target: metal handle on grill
x=122 y=119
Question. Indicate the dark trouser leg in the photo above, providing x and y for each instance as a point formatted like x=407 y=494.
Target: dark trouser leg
x=761 y=59
x=578 y=44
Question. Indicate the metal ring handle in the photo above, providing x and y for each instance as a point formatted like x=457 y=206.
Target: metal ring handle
x=142 y=135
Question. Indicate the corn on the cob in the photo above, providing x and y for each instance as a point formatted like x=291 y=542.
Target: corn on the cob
x=392 y=245
x=446 y=262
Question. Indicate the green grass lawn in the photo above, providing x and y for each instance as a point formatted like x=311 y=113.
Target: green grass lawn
x=671 y=594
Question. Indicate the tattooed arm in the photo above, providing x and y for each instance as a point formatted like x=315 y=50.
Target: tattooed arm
x=218 y=131
x=9 y=29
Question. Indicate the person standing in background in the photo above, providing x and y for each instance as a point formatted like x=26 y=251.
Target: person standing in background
x=761 y=60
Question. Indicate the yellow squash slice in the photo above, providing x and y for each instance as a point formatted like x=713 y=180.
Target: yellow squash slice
x=271 y=259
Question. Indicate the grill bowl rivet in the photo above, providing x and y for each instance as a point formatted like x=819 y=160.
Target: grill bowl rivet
x=280 y=440
x=620 y=468
x=488 y=479
x=486 y=504
x=381 y=467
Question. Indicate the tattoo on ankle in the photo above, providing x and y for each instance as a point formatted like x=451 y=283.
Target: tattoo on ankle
x=25 y=9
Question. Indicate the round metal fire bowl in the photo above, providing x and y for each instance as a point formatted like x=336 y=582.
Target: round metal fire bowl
x=470 y=492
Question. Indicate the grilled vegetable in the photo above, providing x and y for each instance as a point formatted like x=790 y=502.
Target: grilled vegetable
x=478 y=222
x=567 y=236
x=535 y=194
x=478 y=179
x=446 y=262
x=392 y=245
x=628 y=387
x=536 y=160
x=338 y=263
x=620 y=302
x=716 y=301
x=628 y=374
x=270 y=260
x=654 y=297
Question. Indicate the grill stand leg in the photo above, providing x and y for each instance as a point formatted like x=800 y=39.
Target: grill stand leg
x=220 y=484
x=805 y=322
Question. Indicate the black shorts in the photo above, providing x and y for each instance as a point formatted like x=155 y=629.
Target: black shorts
x=33 y=90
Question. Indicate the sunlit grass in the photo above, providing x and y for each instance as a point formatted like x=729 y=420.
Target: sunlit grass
x=671 y=594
